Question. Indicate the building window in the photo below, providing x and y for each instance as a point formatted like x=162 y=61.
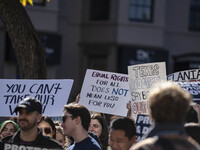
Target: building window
x=194 y=20
x=141 y=10
x=99 y=10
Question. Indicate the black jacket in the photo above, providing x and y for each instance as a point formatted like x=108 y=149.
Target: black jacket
x=41 y=141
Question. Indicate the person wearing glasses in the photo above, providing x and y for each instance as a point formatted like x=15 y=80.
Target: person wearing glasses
x=75 y=123
x=47 y=126
x=29 y=135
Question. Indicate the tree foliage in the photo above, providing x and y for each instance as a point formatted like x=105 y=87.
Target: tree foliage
x=24 y=2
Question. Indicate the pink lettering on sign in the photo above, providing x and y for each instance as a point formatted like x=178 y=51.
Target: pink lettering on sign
x=140 y=107
x=119 y=78
x=100 y=75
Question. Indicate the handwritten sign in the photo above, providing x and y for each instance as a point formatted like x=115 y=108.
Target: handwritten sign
x=143 y=124
x=141 y=78
x=186 y=75
x=53 y=94
x=105 y=92
x=193 y=88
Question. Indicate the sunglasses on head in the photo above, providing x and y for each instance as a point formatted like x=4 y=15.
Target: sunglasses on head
x=46 y=130
x=64 y=118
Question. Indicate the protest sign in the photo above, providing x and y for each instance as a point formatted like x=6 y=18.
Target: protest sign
x=143 y=124
x=188 y=80
x=193 y=88
x=10 y=146
x=141 y=78
x=53 y=94
x=186 y=75
x=105 y=92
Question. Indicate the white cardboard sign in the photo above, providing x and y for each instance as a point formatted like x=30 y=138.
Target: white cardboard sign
x=105 y=92
x=53 y=94
x=186 y=76
x=141 y=78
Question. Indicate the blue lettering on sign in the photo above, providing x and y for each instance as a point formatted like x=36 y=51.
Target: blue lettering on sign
x=119 y=91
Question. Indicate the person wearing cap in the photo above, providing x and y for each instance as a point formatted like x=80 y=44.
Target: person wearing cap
x=29 y=114
x=8 y=128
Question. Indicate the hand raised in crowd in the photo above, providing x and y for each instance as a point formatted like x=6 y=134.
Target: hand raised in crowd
x=128 y=106
x=77 y=98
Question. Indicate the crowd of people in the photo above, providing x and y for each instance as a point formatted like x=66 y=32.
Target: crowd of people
x=175 y=125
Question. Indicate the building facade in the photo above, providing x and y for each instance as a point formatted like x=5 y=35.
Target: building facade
x=110 y=35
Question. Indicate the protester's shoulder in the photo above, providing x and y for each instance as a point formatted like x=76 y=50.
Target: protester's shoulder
x=95 y=144
x=144 y=144
x=94 y=136
x=51 y=142
x=6 y=139
x=88 y=144
x=176 y=142
x=193 y=142
x=71 y=147
x=184 y=143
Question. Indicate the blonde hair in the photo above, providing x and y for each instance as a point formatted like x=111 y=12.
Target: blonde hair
x=168 y=102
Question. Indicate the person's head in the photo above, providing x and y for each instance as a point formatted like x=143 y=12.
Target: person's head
x=168 y=103
x=47 y=126
x=122 y=134
x=75 y=116
x=60 y=137
x=99 y=126
x=8 y=128
x=29 y=113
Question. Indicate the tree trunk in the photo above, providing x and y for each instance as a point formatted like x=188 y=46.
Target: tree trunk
x=25 y=40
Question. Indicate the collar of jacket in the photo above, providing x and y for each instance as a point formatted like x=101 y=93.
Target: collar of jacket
x=166 y=128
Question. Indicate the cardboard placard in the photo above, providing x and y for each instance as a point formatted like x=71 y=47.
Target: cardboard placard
x=141 y=78
x=53 y=94
x=143 y=124
x=186 y=75
x=105 y=92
